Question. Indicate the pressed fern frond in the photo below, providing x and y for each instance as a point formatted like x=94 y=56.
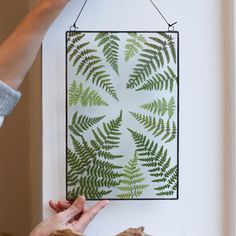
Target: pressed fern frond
x=74 y=38
x=91 y=98
x=88 y=63
x=170 y=132
x=160 y=81
x=167 y=182
x=74 y=94
x=84 y=190
x=89 y=168
x=72 y=174
x=161 y=107
x=99 y=175
x=87 y=174
x=109 y=137
x=108 y=155
x=84 y=153
x=154 y=56
x=105 y=172
x=145 y=147
x=170 y=44
x=133 y=45
x=102 y=173
x=110 y=43
x=157 y=128
x=159 y=165
x=131 y=184
x=84 y=96
x=78 y=161
x=83 y=123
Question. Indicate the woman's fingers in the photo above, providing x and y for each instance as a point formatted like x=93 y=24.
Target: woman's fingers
x=77 y=214
x=88 y=216
x=54 y=206
x=59 y=206
x=76 y=208
x=63 y=205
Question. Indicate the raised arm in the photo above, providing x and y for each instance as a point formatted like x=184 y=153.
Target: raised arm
x=18 y=52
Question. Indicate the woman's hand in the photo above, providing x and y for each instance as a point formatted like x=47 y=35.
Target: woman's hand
x=76 y=217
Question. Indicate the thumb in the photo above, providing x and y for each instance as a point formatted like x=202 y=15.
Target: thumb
x=76 y=208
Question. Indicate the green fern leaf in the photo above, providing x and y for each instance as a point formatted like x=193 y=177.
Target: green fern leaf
x=105 y=171
x=85 y=154
x=169 y=187
x=170 y=44
x=99 y=175
x=159 y=165
x=74 y=38
x=88 y=64
x=110 y=44
x=133 y=45
x=72 y=175
x=160 y=81
x=90 y=171
x=108 y=156
x=172 y=134
x=84 y=96
x=78 y=161
x=74 y=94
x=157 y=128
x=131 y=185
x=84 y=190
x=161 y=107
x=83 y=123
x=153 y=57
x=145 y=147
x=89 y=175
x=109 y=136
x=87 y=61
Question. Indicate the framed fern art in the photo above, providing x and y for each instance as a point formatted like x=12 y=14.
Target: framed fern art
x=122 y=115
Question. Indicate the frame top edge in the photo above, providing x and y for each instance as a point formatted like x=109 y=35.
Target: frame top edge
x=120 y=31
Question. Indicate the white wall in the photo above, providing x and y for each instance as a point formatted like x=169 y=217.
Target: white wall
x=200 y=210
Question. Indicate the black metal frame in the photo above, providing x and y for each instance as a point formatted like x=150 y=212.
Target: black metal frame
x=178 y=109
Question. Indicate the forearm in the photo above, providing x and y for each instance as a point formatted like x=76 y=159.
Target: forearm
x=18 y=52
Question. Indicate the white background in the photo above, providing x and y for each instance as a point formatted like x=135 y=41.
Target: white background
x=200 y=210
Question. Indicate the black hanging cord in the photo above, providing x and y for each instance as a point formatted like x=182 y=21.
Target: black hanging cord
x=170 y=26
x=74 y=27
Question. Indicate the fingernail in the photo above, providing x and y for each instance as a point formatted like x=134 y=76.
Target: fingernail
x=83 y=197
x=107 y=202
x=80 y=202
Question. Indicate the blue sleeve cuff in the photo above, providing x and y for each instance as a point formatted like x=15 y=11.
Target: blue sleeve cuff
x=1 y=120
x=8 y=99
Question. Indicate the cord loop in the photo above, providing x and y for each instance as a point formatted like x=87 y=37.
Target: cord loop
x=170 y=26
